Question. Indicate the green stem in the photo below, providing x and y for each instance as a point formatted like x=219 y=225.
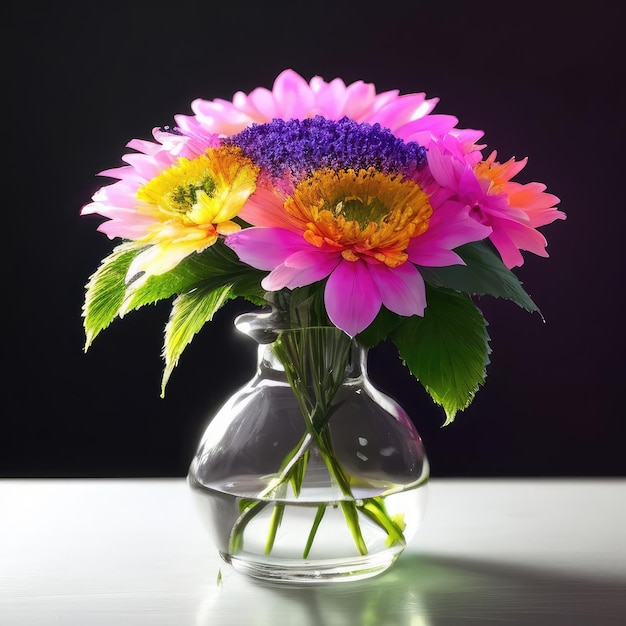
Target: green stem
x=314 y=366
x=375 y=509
x=293 y=466
x=321 y=509
x=277 y=517
x=315 y=385
x=352 y=517
x=248 y=513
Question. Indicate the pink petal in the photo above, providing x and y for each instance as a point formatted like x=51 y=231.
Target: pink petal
x=220 y=117
x=359 y=100
x=130 y=227
x=538 y=205
x=126 y=172
x=330 y=98
x=301 y=268
x=146 y=166
x=462 y=141
x=311 y=257
x=401 y=110
x=351 y=297
x=446 y=170
x=293 y=95
x=496 y=205
x=436 y=257
x=402 y=288
x=470 y=189
x=143 y=145
x=507 y=232
x=427 y=127
x=450 y=226
x=509 y=253
x=265 y=248
x=264 y=102
x=265 y=208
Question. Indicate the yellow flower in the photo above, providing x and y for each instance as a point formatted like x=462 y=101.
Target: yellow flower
x=191 y=204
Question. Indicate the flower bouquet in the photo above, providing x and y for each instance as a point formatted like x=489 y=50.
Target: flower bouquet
x=357 y=217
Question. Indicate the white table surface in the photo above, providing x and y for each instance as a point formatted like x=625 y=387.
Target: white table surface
x=134 y=552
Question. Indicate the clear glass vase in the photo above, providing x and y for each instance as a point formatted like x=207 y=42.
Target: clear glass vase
x=309 y=473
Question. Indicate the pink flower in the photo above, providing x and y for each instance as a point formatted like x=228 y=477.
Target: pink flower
x=292 y=97
x=365 y=231
x=407 y=116
x=514 y=211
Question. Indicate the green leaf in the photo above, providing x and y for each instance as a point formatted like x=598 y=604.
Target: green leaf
x=447 y=350
x=483 y=274
x=217 y=266
x=105 y=291
x=304 y=306
x=379 y=329
x=190 y=312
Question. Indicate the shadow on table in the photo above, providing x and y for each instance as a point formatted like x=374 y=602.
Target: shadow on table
x=429 y=591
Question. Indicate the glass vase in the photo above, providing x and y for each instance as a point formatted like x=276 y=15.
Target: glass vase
x=309 y=473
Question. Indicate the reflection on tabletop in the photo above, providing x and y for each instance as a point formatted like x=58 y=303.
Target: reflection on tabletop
x=427 y=591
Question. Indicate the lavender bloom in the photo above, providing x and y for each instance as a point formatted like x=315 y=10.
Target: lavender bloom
x=301 y=146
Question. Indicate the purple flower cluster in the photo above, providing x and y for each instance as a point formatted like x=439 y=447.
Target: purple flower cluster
x=301 y=146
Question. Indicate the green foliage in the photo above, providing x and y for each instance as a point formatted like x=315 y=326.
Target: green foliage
x=215 y=267
x=105 y=291
x=380 y=328
x=303 y=306
x=483 y=274
x=200 y=284
x=447 y=349
x=190 y=312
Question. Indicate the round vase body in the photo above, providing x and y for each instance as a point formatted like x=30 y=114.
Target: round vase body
x=308 y=474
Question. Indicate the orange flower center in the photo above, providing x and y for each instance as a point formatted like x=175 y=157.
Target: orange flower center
x=498 y=173
x=363 y=214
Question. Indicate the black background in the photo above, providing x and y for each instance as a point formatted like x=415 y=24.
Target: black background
x=544 y=80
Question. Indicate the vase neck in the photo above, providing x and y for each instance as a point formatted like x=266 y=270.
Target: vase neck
x=315 y=352
x=355 y=366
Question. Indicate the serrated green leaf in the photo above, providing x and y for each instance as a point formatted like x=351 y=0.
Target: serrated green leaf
x=483 y=274
x=190 y=312
x=447 y=350
x=215 y=267
x=105 y=291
